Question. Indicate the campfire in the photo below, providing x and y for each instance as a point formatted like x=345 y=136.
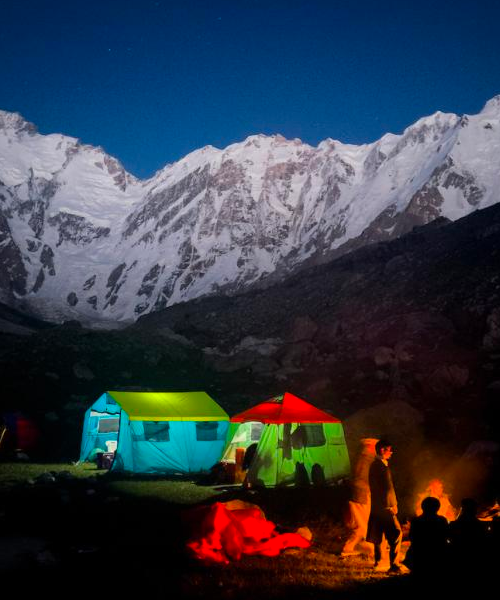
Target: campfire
x=435 y=488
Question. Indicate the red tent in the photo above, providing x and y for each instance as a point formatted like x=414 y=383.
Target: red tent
x=286 y=408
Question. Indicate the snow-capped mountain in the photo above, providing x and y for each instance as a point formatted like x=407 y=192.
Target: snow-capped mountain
x=81 y=238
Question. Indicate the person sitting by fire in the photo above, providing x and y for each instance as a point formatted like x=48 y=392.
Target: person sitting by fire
x=428 y=551
x=468 y=539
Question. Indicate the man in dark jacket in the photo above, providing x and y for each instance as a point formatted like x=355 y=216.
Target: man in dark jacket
x=383 y=521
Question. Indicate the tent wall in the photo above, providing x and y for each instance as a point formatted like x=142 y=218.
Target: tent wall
x=285 y=456
x=182 y=452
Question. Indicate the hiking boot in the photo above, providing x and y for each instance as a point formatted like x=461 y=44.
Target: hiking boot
x=378 y=567
x=395 y=569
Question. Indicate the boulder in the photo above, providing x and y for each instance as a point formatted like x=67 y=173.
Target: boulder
x=303 y=328
x=82 y=371
x=384 y=356
x=447 y=379
x=491 y=341
x=45 y=478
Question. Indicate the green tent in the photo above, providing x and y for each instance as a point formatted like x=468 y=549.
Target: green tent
x=296 y=443
x=156 y=432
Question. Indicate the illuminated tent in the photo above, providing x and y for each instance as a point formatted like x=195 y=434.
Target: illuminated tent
x=296 y=443
x=156 y=432
x=18 y=432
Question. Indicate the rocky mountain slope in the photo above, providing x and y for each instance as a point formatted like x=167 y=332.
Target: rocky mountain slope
x=408 y=316
x=82 y=239
x=400 y=337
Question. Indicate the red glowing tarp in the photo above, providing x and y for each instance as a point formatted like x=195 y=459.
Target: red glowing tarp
x=222 y=535
x=285 y=409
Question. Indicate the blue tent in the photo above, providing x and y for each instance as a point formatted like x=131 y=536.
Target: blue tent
x=156 y=432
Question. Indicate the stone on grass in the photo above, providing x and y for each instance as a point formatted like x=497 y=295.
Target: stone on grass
x=45 y=478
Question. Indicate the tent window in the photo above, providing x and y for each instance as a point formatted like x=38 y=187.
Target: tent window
x=108 y=425
x=206 y=431
x=155 y=431
x=314 y=435
x=256 y=431
x=308 y=435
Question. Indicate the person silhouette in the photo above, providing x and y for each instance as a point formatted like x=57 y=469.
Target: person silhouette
x=383 y=521
x=358 y=509
x=249 y=456
x=428 y=535
x=468 y=541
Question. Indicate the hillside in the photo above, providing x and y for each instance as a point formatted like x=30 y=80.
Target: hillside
x=401 y=337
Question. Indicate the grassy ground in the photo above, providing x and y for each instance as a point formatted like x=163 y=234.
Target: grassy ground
x=18 y=472
x=116 y=534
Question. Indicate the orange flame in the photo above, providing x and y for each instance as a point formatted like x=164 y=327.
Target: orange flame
x=435 y=488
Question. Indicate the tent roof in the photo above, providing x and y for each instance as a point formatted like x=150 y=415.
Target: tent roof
x=169 y=406
x=286 y=408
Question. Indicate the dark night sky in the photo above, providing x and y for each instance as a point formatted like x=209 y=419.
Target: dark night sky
x=152 y=80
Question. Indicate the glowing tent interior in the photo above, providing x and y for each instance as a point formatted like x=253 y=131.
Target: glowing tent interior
x=156 y=432
x=296 y=443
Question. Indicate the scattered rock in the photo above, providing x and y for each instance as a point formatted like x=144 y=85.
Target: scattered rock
x=491 y=340
x=65 y=476
x=297 y=355
x=72 y=299
x=82 y=371
x=46 y=558
x=303 y=328
x=45 y=478
x=51 y=375
x=447 y=379
x=21 y=456
x=384 y=356
x=381 y=375
x=51 y=416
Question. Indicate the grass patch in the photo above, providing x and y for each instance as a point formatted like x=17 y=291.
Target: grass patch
x=18 y=472
x=175 y=492
x=123 y=529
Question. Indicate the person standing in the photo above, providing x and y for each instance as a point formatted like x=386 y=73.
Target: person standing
x=383 y=521
x=358 y=509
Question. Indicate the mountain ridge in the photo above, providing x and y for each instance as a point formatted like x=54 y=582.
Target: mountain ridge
x=80 y=238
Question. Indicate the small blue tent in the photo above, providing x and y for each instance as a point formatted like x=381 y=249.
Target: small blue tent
x=156 y=432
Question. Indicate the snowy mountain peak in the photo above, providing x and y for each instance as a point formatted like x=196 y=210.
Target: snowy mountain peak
x=82 y=238
x=15 y=122
x=438 y=121
x=492 y=106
